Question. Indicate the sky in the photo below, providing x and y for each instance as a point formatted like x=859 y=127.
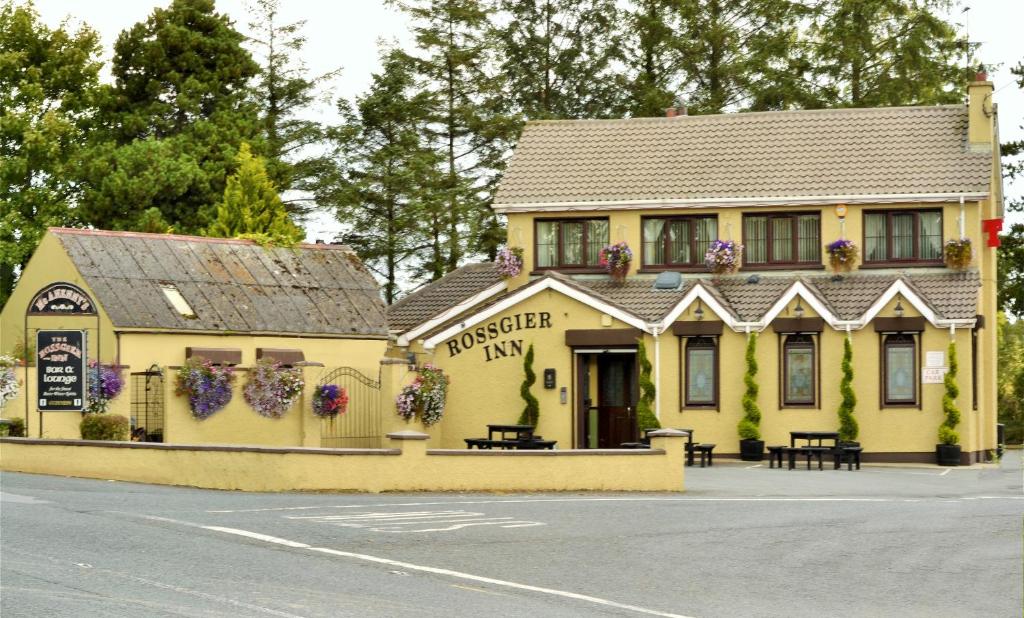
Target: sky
x=346 y=34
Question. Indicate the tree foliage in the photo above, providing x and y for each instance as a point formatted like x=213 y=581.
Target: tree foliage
x=848 y=428
x=531 y=412
x=947 y=430
x=252 y=208
x=651 y=48
x=381 y=185
x=749 y=426
x=645 y=417
x=172 y=121
x=1010 y=378
x=48 y=81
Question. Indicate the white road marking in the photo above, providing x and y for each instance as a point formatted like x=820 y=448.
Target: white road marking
x=428 y=569
x=947 y=471
x=19 y=499
x=755 y=466
x=392 y=522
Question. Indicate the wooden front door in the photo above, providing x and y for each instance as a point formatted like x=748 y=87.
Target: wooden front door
x=615 y=400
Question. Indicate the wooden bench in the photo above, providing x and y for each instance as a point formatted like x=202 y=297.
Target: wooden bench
x=811 y=452
x=705 y=451
x=851 y=454
x=775 y=455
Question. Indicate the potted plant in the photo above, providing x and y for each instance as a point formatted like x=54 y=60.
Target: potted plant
x=842 y=254
x=509 y=262
x=531 y=411
x=957 y=253
x=751 y=444
x=723 y=257
x=947 y=451
x=848 y=428
x=615 y=259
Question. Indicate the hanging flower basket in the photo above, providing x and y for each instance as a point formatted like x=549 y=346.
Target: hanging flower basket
x=9 y=384
x=207 y=386
x=842 y=254
x=105 y=383
x=426 y=396
x=271 y=389
x=509 y=262
x=615 y=259
x=723 y=257
x=330 y=400
x=958 y=253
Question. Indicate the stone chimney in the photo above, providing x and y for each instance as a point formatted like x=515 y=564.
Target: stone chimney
x=980 y=113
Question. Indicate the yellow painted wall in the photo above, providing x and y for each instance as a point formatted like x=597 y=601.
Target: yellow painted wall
x=409 y=469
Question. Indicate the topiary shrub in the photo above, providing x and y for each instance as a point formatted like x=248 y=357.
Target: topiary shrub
x=531 y=413
x=947 y=430
x=645 y=417
x=104 y=427
x=749 y=427
x=848 y=428
x=15 y=430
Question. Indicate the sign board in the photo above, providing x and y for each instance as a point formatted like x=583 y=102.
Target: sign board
x=60 y=370
x=935 y=359
x=62 y=299
x=933 y=375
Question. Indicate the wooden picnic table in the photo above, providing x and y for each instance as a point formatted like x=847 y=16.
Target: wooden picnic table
x=812 y=436
x=510 y=437
x=521 y=432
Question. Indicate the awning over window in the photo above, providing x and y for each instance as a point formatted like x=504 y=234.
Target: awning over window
x=602 y=336
x=695 y=328
x=217 y=356
x=899 y=325
x=285 y=356
x=798 y=325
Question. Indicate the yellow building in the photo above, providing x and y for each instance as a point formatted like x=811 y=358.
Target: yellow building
x=898 y=182
x=146 y=302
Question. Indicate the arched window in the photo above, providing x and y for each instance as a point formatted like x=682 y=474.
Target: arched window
x=799 y=387
x=899 y=370
x=701 y=372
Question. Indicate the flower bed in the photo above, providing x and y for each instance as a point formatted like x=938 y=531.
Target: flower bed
x=842 y=254
x=723 y=257
x=207 y=386
x=330 y=400
x=272 y=389
x=105 y=383
x=509 y=262
x=426 y=396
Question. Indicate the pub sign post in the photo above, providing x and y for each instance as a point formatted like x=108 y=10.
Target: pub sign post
x=60 y=370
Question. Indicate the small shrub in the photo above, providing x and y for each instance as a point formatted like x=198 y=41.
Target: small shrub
x=104 y=427
x=645 y=410
x=531 y=411
x=749 y=427
x=15 y=430
x=947 y=430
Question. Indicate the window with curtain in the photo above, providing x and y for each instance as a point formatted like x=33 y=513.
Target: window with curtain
x=570 y=243
x=678 y=241
x=782 y=238
x=899 y=362
x=903 y=236
x=701 y=372
x=798 y=371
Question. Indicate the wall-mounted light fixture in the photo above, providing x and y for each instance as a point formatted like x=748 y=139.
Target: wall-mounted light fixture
x=798 y=311
x=699 y=313
x=898 y=310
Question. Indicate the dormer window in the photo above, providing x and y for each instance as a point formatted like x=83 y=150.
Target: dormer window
x=570 y=243
x=903 y=236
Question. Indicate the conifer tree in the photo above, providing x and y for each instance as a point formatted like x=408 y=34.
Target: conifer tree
x=48 y=82
x=557 y=56
x=645 y=417
x=251 y=207
x=651 y=47
x=384 y=189
x=749 y=425
x=531 y=412
x=947 y=430
x=870 y=53
x=848 y=428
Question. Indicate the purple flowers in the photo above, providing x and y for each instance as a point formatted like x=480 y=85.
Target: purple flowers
x=105 y=383
x=616 y=256
x=426 y=395
x=330 y=400
x=207 y=386
x=271 y=389
x=842 y=254
x=723 y=256
x=510 y=262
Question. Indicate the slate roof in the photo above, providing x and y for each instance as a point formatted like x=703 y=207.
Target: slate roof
x=807 y=153
x=441 y=295
x=232 y=285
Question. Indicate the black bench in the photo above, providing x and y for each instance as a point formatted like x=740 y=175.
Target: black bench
x=811 y=452
x=487 y=444
x=705 y=451
x=775 y=454
x=849 y=454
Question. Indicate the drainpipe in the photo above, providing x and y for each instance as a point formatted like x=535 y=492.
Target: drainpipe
x=657 y=372
x=962 y=222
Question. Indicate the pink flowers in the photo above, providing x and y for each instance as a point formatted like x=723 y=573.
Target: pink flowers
x=426 y=395
x=207 y=386
x=271 y=389
x=509 y=262
x=723 y=256
x=330 y=400
x=616 y=256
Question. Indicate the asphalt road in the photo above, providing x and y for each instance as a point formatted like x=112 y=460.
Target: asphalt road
x=741 y=542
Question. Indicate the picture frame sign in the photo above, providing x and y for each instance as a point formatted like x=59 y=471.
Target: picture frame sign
x=60 y=370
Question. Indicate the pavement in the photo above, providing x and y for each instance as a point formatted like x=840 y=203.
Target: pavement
x=742 y=541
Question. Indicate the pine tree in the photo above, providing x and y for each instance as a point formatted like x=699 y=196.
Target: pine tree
x=382 y=189
x=284 y=91
x=645 y=417
x=947 y=430
x=741 y=54
x=455 y=62
x=848 y=428
x=652 y=46
x=173 y=120
x=557 y=57
x=48 y=82
x=531 y=413
x=871 y=53
x=749 y=425
x=251 y=207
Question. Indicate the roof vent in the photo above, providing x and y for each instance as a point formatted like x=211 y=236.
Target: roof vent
x=668 y=280
x=754 y=279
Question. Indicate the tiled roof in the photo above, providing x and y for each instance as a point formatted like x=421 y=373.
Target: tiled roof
x=810 y=153
x=231 y=285
x=441 y=295
x=637 y=296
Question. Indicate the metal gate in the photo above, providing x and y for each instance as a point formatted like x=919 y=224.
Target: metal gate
x=148 y=404
x=360 y=425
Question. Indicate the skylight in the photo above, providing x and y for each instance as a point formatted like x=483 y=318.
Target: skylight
x=178 y=301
